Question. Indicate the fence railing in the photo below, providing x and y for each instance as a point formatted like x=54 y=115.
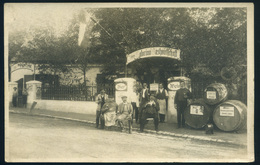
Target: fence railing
x=109 y=88
x=76 y=93
x=79 y=93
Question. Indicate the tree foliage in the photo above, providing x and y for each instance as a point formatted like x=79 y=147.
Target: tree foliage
x=210 y=39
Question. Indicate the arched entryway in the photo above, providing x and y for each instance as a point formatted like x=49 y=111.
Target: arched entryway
x=154 y=65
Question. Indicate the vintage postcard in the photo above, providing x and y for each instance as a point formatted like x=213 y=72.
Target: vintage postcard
x=129 y=82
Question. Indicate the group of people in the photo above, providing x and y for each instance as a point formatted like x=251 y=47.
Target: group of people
x=109 y=113
x=150 y=106
x=15 y=98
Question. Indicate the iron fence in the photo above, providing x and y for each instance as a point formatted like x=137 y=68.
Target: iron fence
x=109 y=88
x=73 y=93
x=81 y=93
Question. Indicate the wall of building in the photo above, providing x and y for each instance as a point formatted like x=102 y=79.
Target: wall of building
x=73 y=77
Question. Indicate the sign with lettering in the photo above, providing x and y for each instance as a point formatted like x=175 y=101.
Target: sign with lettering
x=174 y=85
x=154 y=87
x=227 y=111
x=211 y=95
x=18 y=66
x=121 y=86
x=196 y=110
x=154 y=52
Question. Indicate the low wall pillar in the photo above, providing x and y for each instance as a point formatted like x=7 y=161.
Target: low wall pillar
x=34 y=91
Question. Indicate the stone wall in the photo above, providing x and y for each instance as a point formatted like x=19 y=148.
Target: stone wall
x=84 y=107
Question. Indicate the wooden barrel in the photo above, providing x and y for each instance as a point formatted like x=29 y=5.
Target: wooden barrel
x=230 y=115
x=197 y=114
x=215 y=93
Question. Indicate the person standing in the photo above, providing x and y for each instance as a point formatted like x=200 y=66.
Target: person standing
x=161 y=96
x=144 y=95
x=180 y=103
x=135 y=105
x=24 y=96
x=124 y=114
x=15 y=97
x=144 y=98
x=100 y=100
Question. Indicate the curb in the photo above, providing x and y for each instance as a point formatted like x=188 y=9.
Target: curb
x=162 y=133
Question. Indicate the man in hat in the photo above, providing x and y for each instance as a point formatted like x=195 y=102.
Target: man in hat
x=100 y=100
x=150 y=110
x=180 y=103
x=124 y=114
x=15 y=96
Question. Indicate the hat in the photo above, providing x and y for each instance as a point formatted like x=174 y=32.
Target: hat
x=15 y=88
x=124 y=96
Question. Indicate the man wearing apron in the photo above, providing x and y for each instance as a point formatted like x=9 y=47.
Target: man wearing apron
x=161 y=96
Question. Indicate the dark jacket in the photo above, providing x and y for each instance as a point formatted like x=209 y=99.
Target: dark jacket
x=161 y=95
x=182 y=95
x=146 y=95
x=151 y=108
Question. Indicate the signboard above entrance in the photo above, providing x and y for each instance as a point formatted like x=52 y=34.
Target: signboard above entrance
x=154 y=52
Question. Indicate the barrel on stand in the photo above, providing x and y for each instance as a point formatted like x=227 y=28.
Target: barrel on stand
x=230 y=115
x=215 y=93
x=197 y=114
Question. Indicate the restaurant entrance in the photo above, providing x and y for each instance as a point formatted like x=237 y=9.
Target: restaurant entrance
x=154 y=65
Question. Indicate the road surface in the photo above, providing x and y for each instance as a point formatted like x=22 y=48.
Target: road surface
x=42 y=139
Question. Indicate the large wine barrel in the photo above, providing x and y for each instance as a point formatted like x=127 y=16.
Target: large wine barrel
x=230 y=115
x=215 y=93
x=197 y=114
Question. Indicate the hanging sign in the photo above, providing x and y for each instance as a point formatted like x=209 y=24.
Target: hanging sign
x=154 y=87
x=226 y=111
x=154 y=52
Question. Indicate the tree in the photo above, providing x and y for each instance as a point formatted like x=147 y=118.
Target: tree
x=219 y=43
x=210 y=39
x=130 y=29
x=52 y=52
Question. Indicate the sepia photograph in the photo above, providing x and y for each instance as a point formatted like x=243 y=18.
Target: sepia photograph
x=129 y=82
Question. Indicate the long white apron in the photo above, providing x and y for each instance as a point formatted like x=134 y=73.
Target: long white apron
x=162 y=104
x=110 y=118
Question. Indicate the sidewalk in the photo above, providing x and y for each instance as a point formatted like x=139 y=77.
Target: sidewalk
x=166 y=129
